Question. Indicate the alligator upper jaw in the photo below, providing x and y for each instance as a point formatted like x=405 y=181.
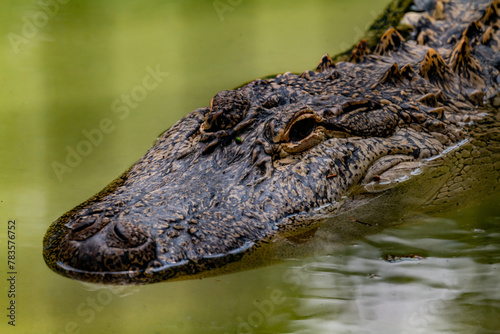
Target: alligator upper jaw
x=109 y=256
x=92 y=244
x=184 y=269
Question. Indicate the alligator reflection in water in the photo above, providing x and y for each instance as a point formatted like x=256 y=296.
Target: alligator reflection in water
x=315 y=159
x=454 y=289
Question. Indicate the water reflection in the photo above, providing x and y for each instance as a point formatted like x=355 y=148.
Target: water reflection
x=452 y=288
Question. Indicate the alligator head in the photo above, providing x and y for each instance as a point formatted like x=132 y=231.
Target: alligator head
x=273 y=159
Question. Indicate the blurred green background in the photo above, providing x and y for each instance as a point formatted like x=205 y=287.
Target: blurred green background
x=66 y=67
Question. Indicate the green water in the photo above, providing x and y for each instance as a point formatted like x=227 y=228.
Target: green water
x=103 y=79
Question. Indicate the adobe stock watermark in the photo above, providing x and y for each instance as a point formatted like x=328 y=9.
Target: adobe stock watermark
x=224 y=6
x=121 y=107
x=88 y=310
x=264 y=309
x=360 y=33
x=33 y=24
x=424 y=315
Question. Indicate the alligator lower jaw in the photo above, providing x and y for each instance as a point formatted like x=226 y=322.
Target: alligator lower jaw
x=387 y=172
x=208 y=266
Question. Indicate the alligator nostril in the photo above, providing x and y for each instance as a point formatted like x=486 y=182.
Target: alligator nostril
x=85 y=227
x=83 y=224
x=126 y=235
x=119 y=233
x=118 y=247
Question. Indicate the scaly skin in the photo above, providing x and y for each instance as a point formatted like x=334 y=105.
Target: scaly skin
x=316 y=158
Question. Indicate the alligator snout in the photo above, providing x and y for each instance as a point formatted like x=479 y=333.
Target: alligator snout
x=95 y=245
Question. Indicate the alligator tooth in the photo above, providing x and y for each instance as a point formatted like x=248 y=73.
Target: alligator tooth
x=391 y=40
x=325 y=63
x=434 y=69
x=359 y=52
x=492 y=14
x=464 y=64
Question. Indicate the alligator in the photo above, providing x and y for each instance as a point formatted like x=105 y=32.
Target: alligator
x=288 y=162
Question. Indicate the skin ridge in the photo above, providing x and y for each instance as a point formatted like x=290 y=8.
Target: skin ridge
x=406 y=120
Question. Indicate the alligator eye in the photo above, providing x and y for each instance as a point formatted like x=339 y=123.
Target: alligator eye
x=303 y=132
x=301 y=129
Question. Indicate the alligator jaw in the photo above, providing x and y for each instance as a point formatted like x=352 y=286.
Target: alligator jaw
x=117 y=238
x=275 y=162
